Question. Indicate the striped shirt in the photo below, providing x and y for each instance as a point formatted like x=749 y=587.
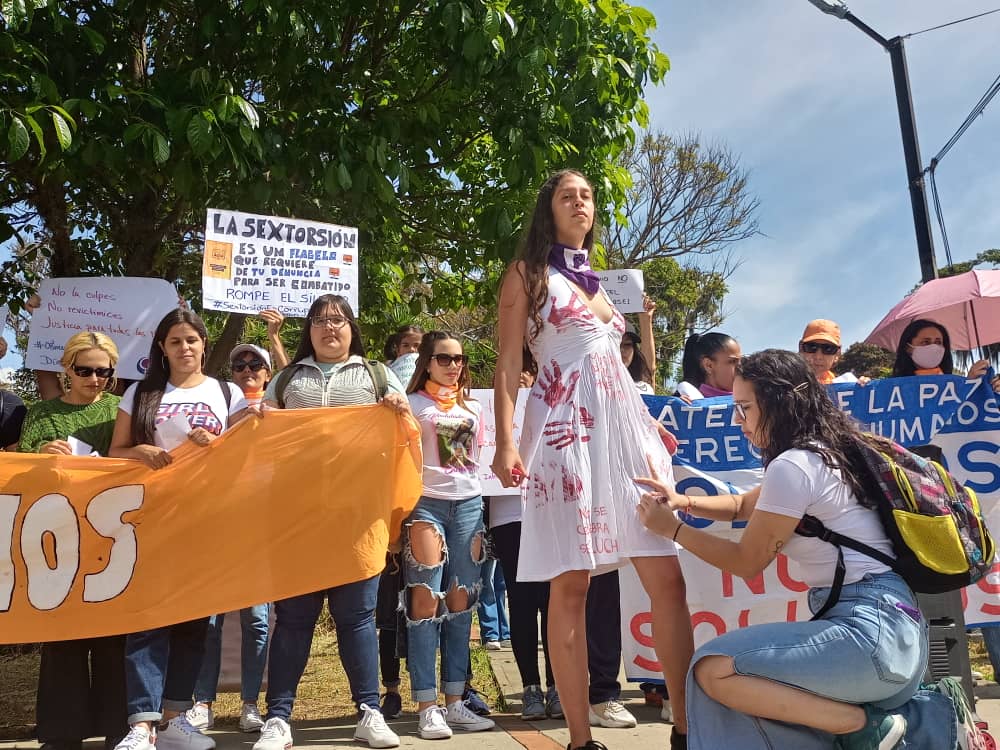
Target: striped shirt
x=347 y=384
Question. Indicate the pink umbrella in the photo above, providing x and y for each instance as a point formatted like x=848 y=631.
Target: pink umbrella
x=968 y=305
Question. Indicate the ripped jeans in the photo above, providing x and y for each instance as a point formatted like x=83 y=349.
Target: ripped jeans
x=459 y=525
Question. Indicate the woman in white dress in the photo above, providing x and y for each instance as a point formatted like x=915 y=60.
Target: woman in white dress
x=585 y=435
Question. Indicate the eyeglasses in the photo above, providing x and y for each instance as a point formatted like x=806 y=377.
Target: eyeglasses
x=254 y=364
x=811 y=347
x=334 y=321
x=740 y=410
x=445 y=360
x=101 y=372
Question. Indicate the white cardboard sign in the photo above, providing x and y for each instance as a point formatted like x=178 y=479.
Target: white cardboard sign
x=254 y=262
x=625 y=286
x=127 y=309
x=488 y=449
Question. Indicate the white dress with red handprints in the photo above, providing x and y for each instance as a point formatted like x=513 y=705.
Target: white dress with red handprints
x=586 y=435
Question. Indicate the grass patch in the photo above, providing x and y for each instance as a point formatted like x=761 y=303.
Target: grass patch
x=979 y=659
x=324 y=691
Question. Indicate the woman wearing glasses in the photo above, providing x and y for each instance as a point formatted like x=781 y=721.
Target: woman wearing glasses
x=81 y=684
x=849 y=677
x=251 y=370
x=443 y=547
x=329 y=370
x=161 y=665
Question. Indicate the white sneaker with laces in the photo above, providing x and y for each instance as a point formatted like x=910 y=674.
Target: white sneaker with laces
x=178 y=734
x=433 y=724
x=138 y=738
x=460 y=717
x=612 y=715
x=667 y=713
x=372 y=729
x=200 y=716
x=274 y=735
x=250 y=720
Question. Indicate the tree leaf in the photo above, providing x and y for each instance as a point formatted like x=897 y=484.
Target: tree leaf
x=199 y=134
x=17 y=139
x=249 y=111
x=344 y=177
x=63 y=134
x=95 y=40
x=161 y=149
x=133 y=131
x=39 y=135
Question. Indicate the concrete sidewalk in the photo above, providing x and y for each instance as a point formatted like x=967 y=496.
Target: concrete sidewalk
x=511 y=732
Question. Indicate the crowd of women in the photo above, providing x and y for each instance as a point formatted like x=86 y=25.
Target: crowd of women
x=589 y=452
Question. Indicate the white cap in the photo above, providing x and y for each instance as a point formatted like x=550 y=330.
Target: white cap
x=253 y=348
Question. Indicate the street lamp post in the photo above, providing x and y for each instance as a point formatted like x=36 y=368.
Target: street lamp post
x=908 y=129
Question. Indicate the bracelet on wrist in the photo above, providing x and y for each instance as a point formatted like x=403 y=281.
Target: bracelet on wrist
x=676 y=532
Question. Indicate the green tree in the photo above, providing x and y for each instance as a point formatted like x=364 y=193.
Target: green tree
x=866 y=359
x=426 y=124
x=991 y=256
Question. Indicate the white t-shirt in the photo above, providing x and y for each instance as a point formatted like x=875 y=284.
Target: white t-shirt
x=644 y=388
x=798 y=482
x=203 y=405
x=450 y=441
x=504 y=509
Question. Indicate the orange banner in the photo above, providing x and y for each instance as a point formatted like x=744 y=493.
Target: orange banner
x=295 y=502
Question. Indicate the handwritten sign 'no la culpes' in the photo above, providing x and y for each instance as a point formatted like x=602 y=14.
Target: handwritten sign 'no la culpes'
x=126 y=309
x=255 y=262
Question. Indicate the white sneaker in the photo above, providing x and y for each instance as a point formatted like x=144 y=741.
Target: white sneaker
x=433 y=724
x=372 y=729
x=274 y=735
x=178 y=734
x=667 y=713
x=612 y=715
x=250 y=720
x=138 y=738
x=200 y=716
x=460 y=717
x=493 y=646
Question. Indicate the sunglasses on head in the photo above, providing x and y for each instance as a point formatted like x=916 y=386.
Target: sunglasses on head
x=101 y=372
x=445 y=360
x=254 y=364
x=811 y=347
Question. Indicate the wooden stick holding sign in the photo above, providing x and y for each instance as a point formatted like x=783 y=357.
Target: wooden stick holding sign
x=625 y=286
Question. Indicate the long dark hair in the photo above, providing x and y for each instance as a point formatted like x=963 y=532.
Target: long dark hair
x=537 y=244
x=341 y=305
x=421 y=374
x=697 y=346
x=638 y=368
x=392 y=343
x=904 y=364
x=149 y=391
x=797 y=412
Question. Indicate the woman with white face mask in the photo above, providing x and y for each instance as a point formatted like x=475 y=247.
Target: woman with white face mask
x=925 y=349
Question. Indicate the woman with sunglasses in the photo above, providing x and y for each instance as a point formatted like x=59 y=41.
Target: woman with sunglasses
x=329 y=369
x=161 y=666
x=250 y=366
x=820 y=348
x=81 y=684
x=443 y=548
x=847 y=678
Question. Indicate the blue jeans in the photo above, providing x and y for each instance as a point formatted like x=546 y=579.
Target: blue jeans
x=493 y=625
x=991 y=639
x=161 y=667
x=866 y=649
x=352 y=607
x=253 y=655
x=459 y=523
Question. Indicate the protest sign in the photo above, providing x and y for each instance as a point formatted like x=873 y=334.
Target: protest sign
x=491 y=485
x=255 y=262
x=961 y=417
x=625 y=288
x=295 y=502
x=4 y=312
x=125 y=308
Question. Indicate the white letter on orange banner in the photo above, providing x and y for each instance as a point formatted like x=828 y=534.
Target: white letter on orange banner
x=8 y=510
x=48 y=587
x=105 y=514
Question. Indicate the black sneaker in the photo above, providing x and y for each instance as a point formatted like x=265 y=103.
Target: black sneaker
x=475 y=703
x=392 y=705
x=591 y=745
x=678 y=741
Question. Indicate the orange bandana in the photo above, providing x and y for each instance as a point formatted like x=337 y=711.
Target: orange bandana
x=931 y=371
x=445 y=396
x=826 y=378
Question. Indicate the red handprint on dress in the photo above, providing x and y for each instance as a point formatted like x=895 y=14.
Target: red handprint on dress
x=553 y=390
x=572 y=486
x=563 y=435
x=586 y=418
x=574 y=310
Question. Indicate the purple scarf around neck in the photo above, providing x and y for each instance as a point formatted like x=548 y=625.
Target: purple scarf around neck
x=574 y=264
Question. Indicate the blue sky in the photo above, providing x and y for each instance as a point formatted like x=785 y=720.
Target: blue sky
x=806 y=100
